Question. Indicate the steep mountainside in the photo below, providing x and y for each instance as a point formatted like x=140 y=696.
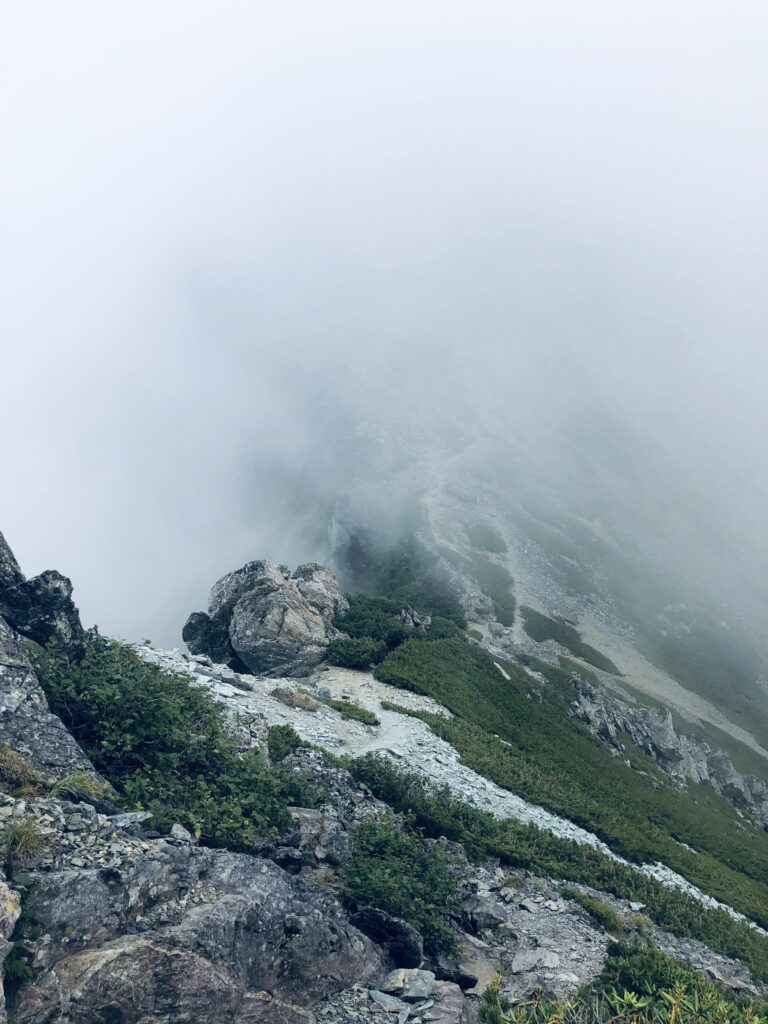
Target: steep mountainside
x=425 y=801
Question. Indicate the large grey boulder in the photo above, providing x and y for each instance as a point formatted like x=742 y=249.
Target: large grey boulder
x=183 y=933
x=267 y=620
x=26 y=724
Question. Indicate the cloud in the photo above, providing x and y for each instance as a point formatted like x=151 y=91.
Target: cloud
x=235 y=234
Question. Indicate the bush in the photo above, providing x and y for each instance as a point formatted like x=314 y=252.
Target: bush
x=436 y=812
x=282 y=741
x=540 y=628
x=160 y=740
x=356 y=653
x=394 y=869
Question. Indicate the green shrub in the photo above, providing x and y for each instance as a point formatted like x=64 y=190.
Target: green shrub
x=540 y=628
x=282 y=741
x=436 y=812
x=394 y=869
x=496 y=582
x=356 y=652
x=160 y=740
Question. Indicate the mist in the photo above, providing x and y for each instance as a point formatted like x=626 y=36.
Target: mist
x=237 y=237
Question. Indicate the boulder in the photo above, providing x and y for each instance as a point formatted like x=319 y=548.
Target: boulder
x=186 y=933
x=268 y=621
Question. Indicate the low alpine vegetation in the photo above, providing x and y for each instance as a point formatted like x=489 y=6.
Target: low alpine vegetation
x=395 y=869
x=161 y=742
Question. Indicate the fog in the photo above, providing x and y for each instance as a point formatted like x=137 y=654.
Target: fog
x=235 y=235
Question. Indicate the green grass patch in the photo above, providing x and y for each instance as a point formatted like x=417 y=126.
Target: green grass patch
x=485 y=538
x=540 y=628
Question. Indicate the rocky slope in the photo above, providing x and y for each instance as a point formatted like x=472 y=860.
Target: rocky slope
x=104 y=920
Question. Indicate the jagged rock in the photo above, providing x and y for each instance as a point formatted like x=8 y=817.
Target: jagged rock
x=400 y=939
x=40 y=609
x=321 y=836
x=180 y=930
x=10 y=573
x=26 y=724
x=485 y=913
x=267 y=620
x=683 y=757
x=534 y=959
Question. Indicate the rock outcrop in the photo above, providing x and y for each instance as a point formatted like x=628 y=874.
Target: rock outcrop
x=26 y=724
x=135 y=929
x=40 y=609
x=683 y=757
x=265 y=619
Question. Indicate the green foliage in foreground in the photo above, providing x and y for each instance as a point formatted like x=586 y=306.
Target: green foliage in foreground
x=161 y=742
x=394 y=869
x=436 y=812
x=536 y=749
x=638 y=985
x=540 y=628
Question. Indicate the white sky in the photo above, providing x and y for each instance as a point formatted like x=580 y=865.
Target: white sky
x=206 y=208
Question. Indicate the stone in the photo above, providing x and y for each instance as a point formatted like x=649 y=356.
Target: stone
x=10 y=905
x=129 y=818
x=390 y=1003
x=268 y=621
x=411 y=984
x=10 y=573
x=179 y=833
